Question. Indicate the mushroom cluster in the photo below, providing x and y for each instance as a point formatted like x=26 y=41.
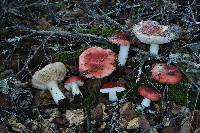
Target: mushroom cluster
x=97 y=62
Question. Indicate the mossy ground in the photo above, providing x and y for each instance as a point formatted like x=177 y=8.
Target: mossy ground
x=66 y=54
x=100 y=30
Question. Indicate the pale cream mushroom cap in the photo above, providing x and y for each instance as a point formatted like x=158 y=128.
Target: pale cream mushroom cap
x=166 y=34
x=51 y=72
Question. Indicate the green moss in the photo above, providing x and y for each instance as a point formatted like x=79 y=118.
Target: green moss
x=181 y=94
x=63 y=56
x=159 y=2
x=99 y=30
x=107 y=31
x=79 y=51
x=90 y=100
x=182 y=65
x=94 y=30
x=132 y=86
x=178 y=93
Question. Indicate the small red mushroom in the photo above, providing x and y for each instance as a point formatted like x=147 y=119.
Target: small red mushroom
x=149 y=95
x=97 y=62
x=124 y=40
x=166 y=74
x=112 y=88
x=73 y=83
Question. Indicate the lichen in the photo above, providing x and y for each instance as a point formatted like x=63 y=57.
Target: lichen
x=4 y=86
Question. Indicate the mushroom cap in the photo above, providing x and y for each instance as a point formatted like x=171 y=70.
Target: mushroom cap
x=73 y=79
x=51 y=72
x=96 y=62
x=166 y=74
x=151 y=32
x=121 y=38
x=112 y=86
x=149 y=93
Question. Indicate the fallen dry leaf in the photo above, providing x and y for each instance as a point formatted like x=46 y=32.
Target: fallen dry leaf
x=127 y=113
x=16 y=126
x=102 y=127
x=169 y=129
x=2 y=128
x=144 y=123
x=133 y=123
x=43 y=23
x=196 y=119
x=75 y=116
x=197 y=130
x=177 y=109
x=186 y=127
x=98 y=111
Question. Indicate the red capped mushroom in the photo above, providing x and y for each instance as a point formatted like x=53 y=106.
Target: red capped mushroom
x=166 y=74
x=149 y=95
x=97 y=62
x=73 y=83
x=112 y=88
x=124 y=40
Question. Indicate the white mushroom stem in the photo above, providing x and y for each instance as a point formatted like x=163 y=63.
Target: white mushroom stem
x=145 y=102
x=154 y=49
x=113 y=96
x=55 y=91
x=123 y=54
x=75 y=89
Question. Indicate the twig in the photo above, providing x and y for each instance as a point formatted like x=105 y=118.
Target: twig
x=35 y=52
x=113 y=21
x=114 y=118
x=62 y=34
x=192 y=14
